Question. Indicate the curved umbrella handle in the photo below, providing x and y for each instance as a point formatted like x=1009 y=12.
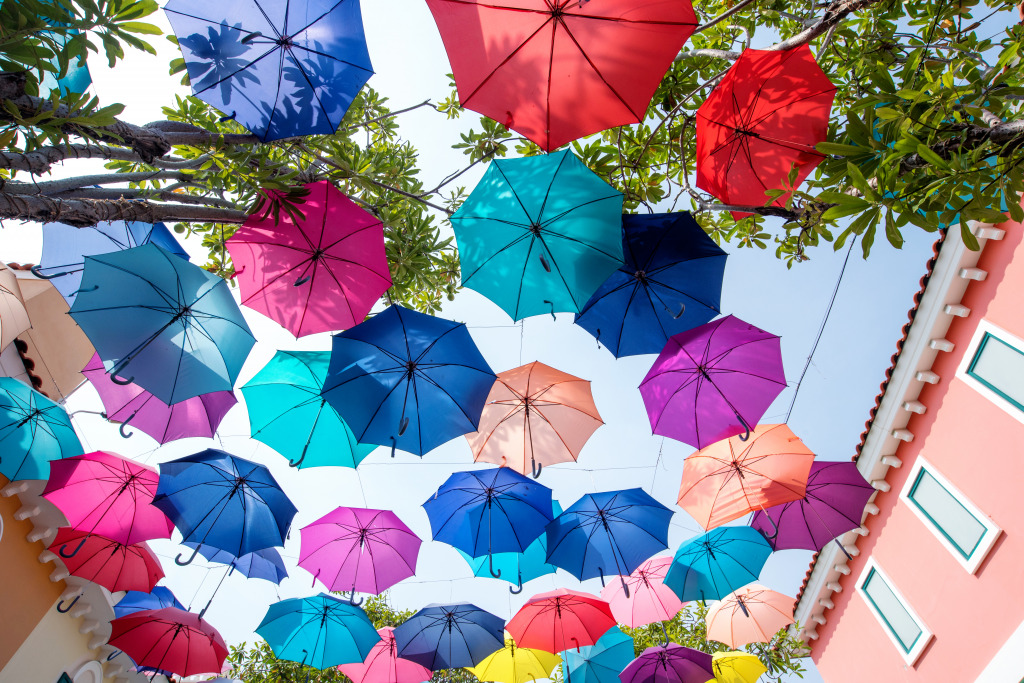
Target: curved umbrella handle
x=38 y=272
x=75 y=551
x=490 y=566
x=544 y=263
x=743 y=437
x=537 y=467
x=124 y=434
x=552 y=305
x=601 y=572
x=677 y=316
x=664 y=632
x=302 y=457
x=519 y=589
x=178 y=561
x=403 y=425
x=352 y=598
x=229 y=117
x=394 y=445
x=118 y=369
x=625 y=586
x=65 y=610
x=301 y=281
x=573 y=638
x=112 y=655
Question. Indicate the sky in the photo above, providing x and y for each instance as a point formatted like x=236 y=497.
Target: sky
x=829 y=414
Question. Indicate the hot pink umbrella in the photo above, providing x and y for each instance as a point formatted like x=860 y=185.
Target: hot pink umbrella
x=383 y=665
x=648 y=600
x=114 y=566
x=752 y=614
x=321 y=273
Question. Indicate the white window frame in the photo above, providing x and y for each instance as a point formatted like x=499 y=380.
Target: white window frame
x=987 y=540
x=926 y=636
x=972 y=349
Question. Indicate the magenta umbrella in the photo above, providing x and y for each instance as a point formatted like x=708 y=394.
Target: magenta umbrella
x=648 y=599
x=383 y=665
x=713 y=382
x=359 y=550
x=670 y=663
x=323 y=272
x=130 y=403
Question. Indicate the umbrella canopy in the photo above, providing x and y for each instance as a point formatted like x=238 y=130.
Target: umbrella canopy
x=737 y=667
x=137 y=601
x=383 y=665
x=113 y=565
x=359 y=550
x=408 y=380
x=730 y=478
x=281 y=69
x=669 y=663
x=529 y=64
x=600 y=662
x=713 y=382
x=561 y=619
x=283 y=400
x=535 y=416
x=13 y=314
x=224 y=501
x=711 y=566
x=834 y=504
x=321 y=273
x=751 y=614
x=171 y=327
x=764 y=118
x=449 y=636
x=671 y=282
x=33 y=431
x=641 y=598
x=319 y=631
x=608 y=533
x=131 y=404
x=169 y=639
x=517 y=568
x=513 y=664
x=263 y=564
x=539 y=234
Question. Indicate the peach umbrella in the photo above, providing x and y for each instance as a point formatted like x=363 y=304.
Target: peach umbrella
x=752 y=614
x=535 y=416
x=13 y=316
x=730 y=478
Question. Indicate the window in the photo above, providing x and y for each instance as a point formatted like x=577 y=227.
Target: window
x=899 y=621
x=994 y=367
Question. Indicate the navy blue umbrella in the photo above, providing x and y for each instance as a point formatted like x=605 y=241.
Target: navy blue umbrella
x=137 y=601
x=280 y=68
x=223 y=501
x=449 y=636
x=671 y=282
x=407 y=380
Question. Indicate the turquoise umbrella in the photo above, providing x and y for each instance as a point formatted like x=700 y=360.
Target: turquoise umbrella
x=33 y=431
x=600 y=662
x=319 y=631
x=287 y=412
x=715 y=564
x=539 y=234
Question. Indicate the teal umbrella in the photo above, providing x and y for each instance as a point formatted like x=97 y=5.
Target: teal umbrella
x=711 y=566
x=600 y=662
x=287 y=412
x=319 y=631
x=539 y=234
x=33 y=431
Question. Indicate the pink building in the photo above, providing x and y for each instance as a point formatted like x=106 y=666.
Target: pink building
x=932 y=588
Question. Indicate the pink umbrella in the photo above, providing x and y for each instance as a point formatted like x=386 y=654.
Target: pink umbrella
x=648 y=600
x=383 y=665
x=130 y=403
x=752 y=614
x=323 y=272
x=115 y=566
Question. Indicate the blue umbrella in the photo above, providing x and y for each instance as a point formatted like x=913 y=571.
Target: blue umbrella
x=263 y=564
x=137 y=601
x=223 y=501
x=33 y=431
x=601 y=662
x=671 y=282
x=319 y=631
x=408 y=380
x=281 y=69
x=449 y=636
x=611 y=532
x=715 y=564
x=174 y=326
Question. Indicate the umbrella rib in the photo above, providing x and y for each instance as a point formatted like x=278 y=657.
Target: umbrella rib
x=507 y=59
x=497 y=252
x=620 y=98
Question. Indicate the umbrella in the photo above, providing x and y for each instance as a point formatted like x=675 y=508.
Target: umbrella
x=281 y=69
x=713 y=382
x=834 y=504
x=611 y=532
x=669 y=663
x=223 y=501
x=408 y=380
x=359 y=550
x=556 y=71
x=561 y=619
x=284 y=400
x=671 y=282
x=535 y=411
x=449 y=636
x=383 y=665
x=737 y=667
x=113 y=565
x=764 y=118
x=131 y=404
x=169 y=639
x=263 y=564
x=730 y=478
x=323 y=272
x=137 y=601
x=751 y=614
x=513 y=664
x=648 y=599
x=600 y=662
x=13 y=315
x=173 y=325
x=318 y=631
x=539 y=234
x=710 y=566
x=33 y=431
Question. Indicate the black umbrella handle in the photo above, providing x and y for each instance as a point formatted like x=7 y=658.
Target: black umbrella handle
x=75 y=551
x=518 y=589
x=552 y=305
x=743 y=437
x=38 y=272
x=490 y=566
x=178 y=561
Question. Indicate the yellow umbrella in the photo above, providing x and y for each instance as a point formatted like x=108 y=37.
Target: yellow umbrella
x=736 y=667
x=513 y=664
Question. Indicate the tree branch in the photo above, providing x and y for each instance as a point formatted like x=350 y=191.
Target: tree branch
x=834 y=14
x=111 y=194
x=85 y=212
x=56 y=186
x=1007 y=135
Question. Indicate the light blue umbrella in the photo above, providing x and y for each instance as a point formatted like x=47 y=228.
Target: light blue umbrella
x=33 y=431
x=319 y=631
x=601 y=662
x=711 y=566
x=518 y=568
x=137 y=601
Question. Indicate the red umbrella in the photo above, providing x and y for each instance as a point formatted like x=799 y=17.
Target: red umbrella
x=322 y=273
x=169 y=639
x=556 y=70
x=560 y=620
x=766 y=116
x=108 y=563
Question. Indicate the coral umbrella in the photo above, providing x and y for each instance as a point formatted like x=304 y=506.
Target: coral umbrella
x=764 y=118
x=711 y=566
x=730 y=478
x=13 y=314
x=561 y=619
x=383 y=665
x=169 y=639
x=531 y=65
x=33 y=432
x=648 y=599
x=319 y=631
x=449 y=636
x=113 y=565
x=535 y=416
x=669 y=663
x=513 y=664
x=600 y=662
x=137 y=601
x=315 y=274
x=713 y=382
x=737 y=667
x=751 y=614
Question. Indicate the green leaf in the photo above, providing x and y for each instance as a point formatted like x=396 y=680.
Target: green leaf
x=929 y=155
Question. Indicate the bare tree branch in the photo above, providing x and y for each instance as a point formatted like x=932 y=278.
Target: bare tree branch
x=111 y=194
x=56 y=186
x=86 y=212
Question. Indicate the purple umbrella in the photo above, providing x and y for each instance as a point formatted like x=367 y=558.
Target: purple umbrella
x=713 y=382
x=130 y=403
x=669 y=663
x=834 y=503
